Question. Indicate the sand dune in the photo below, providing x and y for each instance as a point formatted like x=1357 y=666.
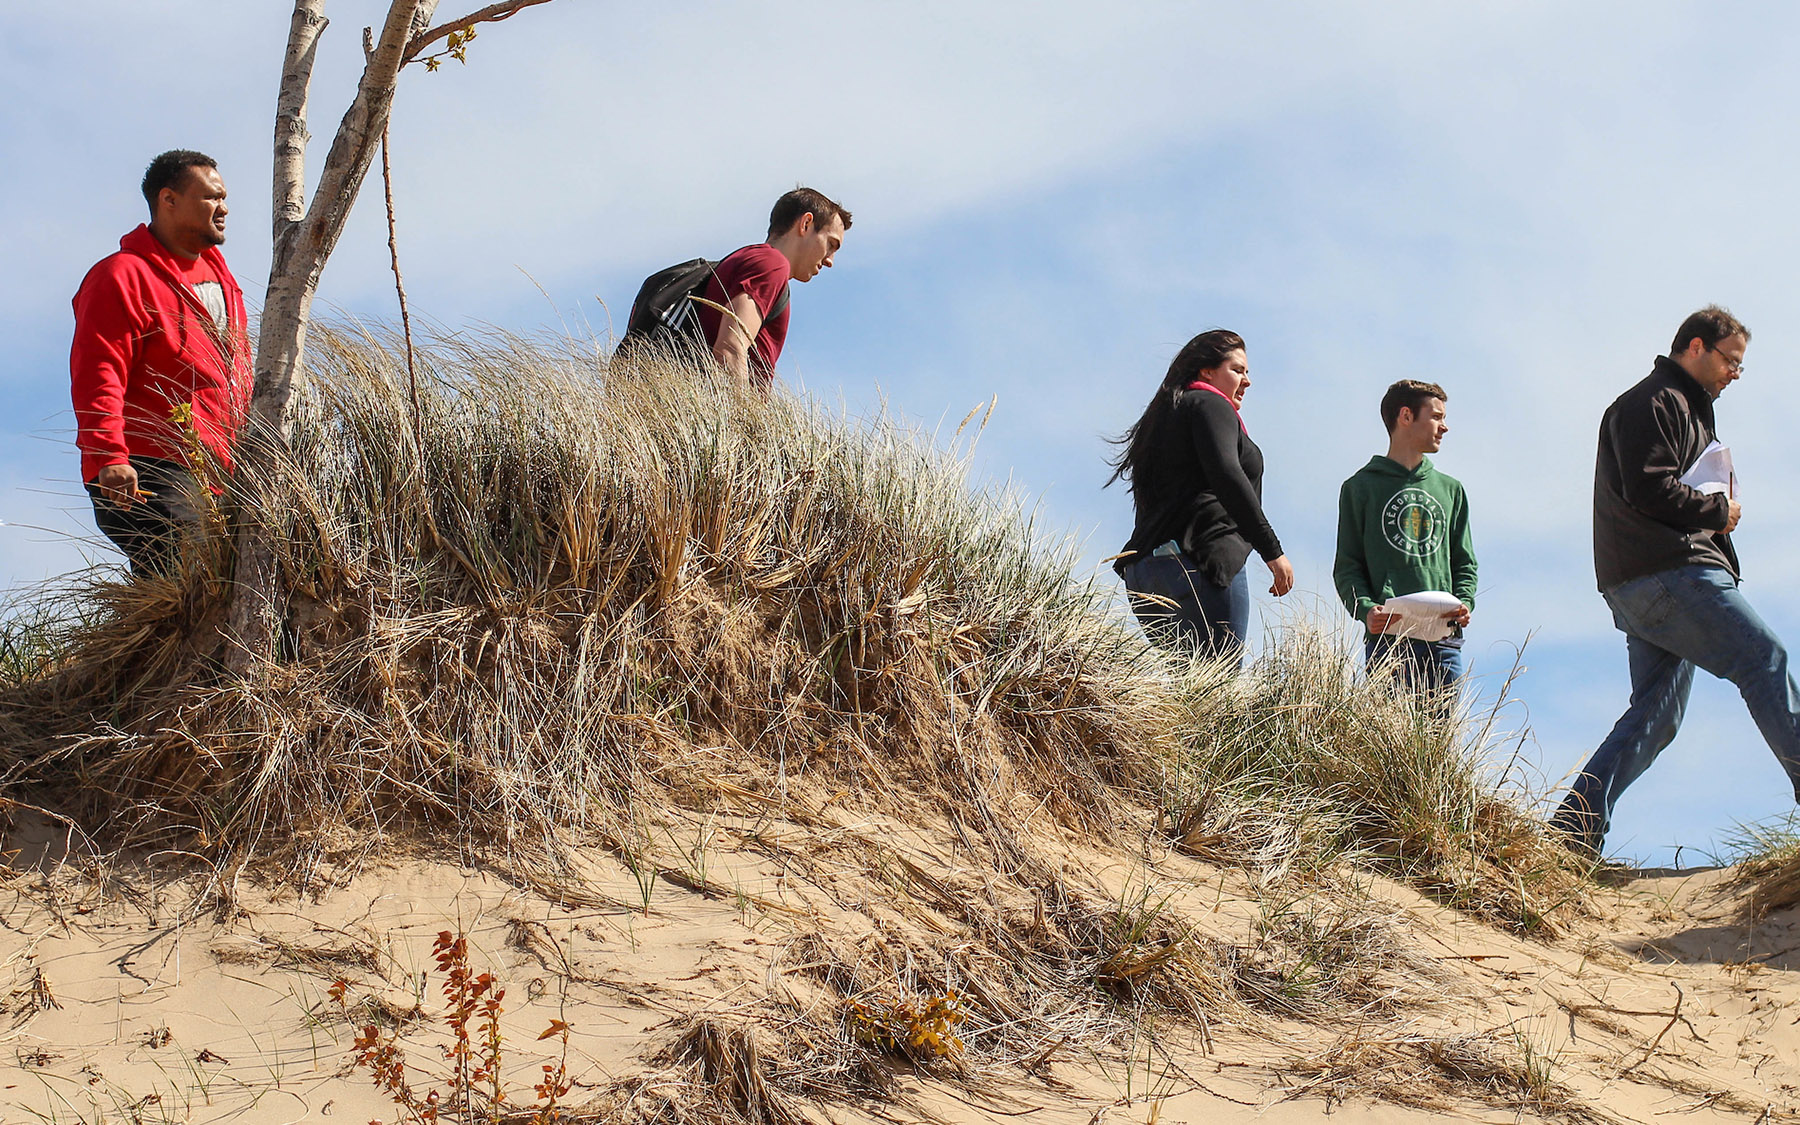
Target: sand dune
x=134 y=992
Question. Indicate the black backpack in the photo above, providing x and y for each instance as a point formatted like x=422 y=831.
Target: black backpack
x=667 y=309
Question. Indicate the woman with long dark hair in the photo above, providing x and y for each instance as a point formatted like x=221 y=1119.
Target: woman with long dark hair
x=1196 y=484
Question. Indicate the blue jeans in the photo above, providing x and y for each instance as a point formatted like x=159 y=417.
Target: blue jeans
x=1191 y=614
x=1423 y=667
x=1675 y=621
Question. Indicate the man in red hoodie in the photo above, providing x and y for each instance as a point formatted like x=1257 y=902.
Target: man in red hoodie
x=160 y=368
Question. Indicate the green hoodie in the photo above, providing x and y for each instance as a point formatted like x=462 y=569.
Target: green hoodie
x=1402 y=532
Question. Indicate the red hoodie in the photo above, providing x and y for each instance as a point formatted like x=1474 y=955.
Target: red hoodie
x=144 y=344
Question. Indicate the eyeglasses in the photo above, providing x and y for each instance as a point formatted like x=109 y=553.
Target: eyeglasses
x=1735 y=366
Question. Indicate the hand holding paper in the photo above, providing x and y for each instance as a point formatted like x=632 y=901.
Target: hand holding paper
x=1713 y=472
x=1428 y=616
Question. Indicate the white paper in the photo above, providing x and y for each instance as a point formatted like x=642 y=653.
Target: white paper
x=1713 y=472
x=1421 y=615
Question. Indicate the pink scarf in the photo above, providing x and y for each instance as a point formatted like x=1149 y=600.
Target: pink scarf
x=1202 y=384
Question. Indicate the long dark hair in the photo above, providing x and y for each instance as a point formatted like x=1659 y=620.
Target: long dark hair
x=1203 y=353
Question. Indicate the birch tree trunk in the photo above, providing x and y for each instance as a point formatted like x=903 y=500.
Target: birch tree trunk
x=303 y=242
x=304 y=238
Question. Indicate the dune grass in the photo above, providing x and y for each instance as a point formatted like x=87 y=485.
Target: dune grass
x=585 y=586
x=570 y=585
x=1766 y=861
x=572 y=598
x=1309 y=763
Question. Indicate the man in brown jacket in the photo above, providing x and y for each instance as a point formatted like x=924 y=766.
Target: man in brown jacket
x=1666 y=566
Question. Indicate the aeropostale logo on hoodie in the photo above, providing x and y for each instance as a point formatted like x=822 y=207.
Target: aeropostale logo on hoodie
x=1414 y=523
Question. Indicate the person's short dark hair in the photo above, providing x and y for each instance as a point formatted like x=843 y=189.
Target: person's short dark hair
x=1713 y=325
x=790 y=207
x=1408 y=394
x=170 y=170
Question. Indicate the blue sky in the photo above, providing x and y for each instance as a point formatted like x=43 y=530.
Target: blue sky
x=1517 y=200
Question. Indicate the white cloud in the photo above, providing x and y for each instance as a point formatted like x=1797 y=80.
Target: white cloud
x=579 y=138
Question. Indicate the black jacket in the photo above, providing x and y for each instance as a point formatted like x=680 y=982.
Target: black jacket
x=1645 y=519
x=1202 y=487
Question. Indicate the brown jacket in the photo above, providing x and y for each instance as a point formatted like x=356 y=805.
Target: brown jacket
x=1645 y=519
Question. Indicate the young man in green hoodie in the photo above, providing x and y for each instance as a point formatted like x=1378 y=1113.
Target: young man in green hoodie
x=1403 y=528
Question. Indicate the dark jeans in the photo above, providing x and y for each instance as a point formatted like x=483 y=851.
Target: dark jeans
x=1179 y=609
x=1675 y=621
x=150 y=530
x=1421 y=667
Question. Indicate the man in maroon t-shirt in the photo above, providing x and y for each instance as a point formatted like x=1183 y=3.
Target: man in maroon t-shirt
x=805 y=231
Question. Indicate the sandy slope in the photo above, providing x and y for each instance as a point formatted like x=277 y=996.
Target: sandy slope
x=129 y=997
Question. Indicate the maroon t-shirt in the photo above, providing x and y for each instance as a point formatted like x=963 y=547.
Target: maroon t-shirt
x=759 y=271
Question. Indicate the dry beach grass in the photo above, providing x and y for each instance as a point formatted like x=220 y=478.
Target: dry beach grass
x=615 y=629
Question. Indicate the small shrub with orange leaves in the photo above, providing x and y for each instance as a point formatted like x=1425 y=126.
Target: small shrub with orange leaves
x=921 y=1027
x=474 y=1089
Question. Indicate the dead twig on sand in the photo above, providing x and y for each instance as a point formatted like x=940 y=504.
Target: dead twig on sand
x=1674 y=1017
x=1589 y=1012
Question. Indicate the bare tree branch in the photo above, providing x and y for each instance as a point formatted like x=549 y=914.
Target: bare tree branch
x=493 y=13
x=387 y=191
x=353 y=149
x=290 y=113
x=412 y=373
x=302 y=247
